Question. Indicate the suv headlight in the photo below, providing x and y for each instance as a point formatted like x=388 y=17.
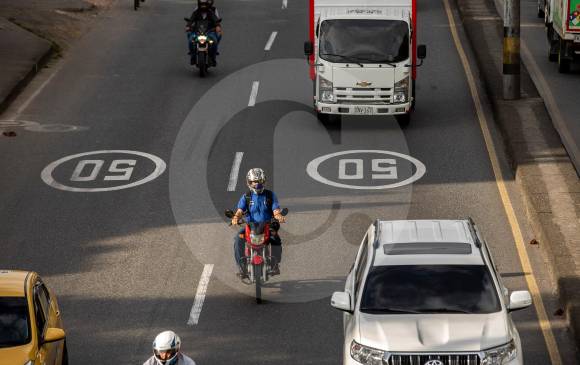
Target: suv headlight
x=500 y=355
x=326 y=90
x=366 y=355
x=401 y=91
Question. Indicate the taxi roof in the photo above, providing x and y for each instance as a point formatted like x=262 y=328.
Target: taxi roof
x=12 y=283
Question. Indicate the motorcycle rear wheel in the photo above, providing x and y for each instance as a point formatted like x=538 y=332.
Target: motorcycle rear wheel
x=135 y=4
x=258 y=280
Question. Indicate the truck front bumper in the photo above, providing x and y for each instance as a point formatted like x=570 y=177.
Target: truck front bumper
x=363 y=109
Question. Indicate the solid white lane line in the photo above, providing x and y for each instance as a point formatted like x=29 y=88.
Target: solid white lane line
x=235 y=171
x=200 y=295
x=254 y=93
x=284 y=4
x=270 y=41
x=28 y=101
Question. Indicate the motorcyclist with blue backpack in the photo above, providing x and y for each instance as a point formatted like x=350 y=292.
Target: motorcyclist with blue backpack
x=258 y=205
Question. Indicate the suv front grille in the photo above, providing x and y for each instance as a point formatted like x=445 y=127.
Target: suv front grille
x=446 y=359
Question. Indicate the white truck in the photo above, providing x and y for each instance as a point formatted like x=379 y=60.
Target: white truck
x=562 y=19
x=363 y=57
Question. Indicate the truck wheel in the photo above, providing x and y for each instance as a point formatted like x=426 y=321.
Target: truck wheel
x=403 y=120
x=563 y=62
x=328 y=118
x=541 y=13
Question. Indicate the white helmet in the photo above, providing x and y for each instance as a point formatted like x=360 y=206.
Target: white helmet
x=166 y=341
x=257 y=176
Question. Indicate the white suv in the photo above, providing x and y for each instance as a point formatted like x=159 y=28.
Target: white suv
x=427 y=292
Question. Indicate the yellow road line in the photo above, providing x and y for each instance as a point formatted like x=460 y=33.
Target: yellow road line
x=509 y=209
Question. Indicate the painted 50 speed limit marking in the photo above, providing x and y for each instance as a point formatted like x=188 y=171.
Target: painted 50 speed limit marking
x=111 y=169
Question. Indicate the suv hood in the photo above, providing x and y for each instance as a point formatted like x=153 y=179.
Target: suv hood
x=434 y=332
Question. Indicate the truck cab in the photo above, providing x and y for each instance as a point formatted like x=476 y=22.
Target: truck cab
x=363 y=58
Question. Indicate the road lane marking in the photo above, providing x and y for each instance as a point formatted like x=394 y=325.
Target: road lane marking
x=270 y=41
x=235 y=171
x=284 y=4
x=505 y=198
x=35 y=94
x=117 y=170
x=254 y=93
x=200 y=295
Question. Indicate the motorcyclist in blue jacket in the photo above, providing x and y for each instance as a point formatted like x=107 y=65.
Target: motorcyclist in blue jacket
x=258 y=205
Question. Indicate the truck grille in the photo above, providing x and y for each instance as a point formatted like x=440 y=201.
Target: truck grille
x=357 y=95
x=446 y=359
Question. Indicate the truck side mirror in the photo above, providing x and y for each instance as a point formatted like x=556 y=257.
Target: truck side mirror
x=421 y=51
x=308 y=48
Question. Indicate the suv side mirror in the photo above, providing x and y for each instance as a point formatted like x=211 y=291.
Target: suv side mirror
x=53 y=335
x=421 y=51
x=341 y=300
x=308 y=48
x=519 y=300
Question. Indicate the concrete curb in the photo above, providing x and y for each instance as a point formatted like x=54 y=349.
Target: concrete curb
x=542 y=168
x=40 y=60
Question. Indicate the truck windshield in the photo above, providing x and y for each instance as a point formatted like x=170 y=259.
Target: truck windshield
x=368 y=41
x=429 y=289
x=14 y=327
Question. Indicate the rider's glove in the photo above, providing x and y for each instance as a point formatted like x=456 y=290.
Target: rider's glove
x=235 y=220
x=279 y=217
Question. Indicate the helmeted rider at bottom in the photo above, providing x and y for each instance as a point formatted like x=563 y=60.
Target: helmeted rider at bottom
x=166 y=351
x=257 y=205
x=205 y=12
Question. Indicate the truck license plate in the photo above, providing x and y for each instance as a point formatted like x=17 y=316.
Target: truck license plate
x=577 y=38
x=367 y=110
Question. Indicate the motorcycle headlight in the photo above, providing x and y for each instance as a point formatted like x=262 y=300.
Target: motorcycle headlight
x=256 y=239
x=500 y=355
x=366 y=355
x=202 y=39
x=401 y=91
x=326 y=90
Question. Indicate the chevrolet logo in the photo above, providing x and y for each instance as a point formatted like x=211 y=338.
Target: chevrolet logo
x=364 y=84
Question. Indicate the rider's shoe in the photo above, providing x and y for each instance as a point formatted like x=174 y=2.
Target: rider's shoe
x=242 y=274
x=192 y=61
x=275 y=270
x=213 y=62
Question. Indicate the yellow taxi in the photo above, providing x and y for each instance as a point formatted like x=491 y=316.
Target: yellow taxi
x=31 y=331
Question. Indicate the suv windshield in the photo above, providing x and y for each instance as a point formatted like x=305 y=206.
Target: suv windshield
x=369 y=41
x=430 y=289
x=14 y=328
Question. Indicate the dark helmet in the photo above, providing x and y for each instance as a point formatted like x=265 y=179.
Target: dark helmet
x=204 y=4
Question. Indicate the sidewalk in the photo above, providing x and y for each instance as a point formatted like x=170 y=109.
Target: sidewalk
x=22 y=54
x=32 y=31
x=542 y=168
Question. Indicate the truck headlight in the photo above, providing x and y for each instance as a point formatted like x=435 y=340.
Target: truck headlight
x=326 y=90
x=500 y=355
x=401 y=91
x=366 y=355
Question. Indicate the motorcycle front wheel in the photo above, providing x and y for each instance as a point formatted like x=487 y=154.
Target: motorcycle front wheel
x=258 y=280
x=202 y=63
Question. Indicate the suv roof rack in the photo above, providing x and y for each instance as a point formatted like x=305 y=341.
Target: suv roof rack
x=474 y=233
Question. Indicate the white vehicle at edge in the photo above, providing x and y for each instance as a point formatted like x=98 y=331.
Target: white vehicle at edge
x=354 y=72
x=426 y=292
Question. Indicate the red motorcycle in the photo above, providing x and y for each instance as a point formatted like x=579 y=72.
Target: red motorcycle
x=258 y=259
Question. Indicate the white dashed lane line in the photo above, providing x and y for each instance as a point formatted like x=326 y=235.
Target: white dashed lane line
x=284 y=4
x=270 y=41
x=235 y=171
x=200 y=295
x=254 y=93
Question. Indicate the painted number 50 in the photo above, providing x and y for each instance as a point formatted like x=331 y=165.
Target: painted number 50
x=382 y=168
x=122 y=170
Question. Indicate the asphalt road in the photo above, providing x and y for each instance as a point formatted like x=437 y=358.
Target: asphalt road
x=126 y=263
